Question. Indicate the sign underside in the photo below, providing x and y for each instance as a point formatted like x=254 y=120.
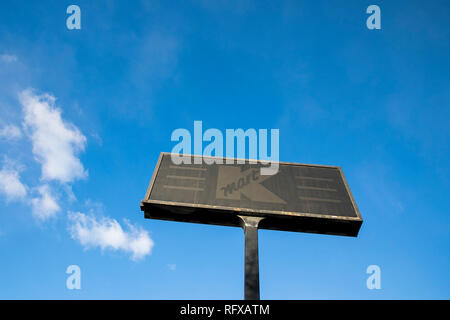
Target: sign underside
x=300 y=197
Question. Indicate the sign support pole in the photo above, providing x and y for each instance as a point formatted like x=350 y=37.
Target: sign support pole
x=250 y=226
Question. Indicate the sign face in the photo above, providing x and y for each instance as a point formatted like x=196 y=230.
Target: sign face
x=300 y=197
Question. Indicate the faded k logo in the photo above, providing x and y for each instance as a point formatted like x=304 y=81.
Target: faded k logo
x=232 y=182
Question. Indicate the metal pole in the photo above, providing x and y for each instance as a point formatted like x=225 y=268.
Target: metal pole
x=250 y=226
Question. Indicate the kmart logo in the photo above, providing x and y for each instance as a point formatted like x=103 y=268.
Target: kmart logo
x=232 y=183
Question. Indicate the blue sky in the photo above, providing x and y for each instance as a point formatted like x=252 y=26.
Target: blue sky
x=85 y=113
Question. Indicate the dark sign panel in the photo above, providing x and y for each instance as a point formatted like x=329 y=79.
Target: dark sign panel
x=300 y=197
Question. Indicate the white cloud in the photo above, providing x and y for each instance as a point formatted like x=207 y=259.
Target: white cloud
x=8 y=58
x=107 y=233
x=10 y=184
x=43 y=206
x=10 y=132
x=46 y=206
x=56 y=143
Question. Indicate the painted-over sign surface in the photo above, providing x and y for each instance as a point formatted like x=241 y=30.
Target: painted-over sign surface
x=307 y=198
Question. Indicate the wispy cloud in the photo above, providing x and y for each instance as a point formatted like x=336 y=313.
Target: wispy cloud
x=8 y=58
x=423 y=122
x=10 y=184
x=107 y=233
x=156 y=58
x=172 y=266
x=377 y=183
x=45 y=206
x=10 y=132
x=56 y=143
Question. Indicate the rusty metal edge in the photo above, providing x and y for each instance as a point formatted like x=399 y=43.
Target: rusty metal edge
x=254 y=160
x=249 y=211
x=347 y=187
x=155 y=173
